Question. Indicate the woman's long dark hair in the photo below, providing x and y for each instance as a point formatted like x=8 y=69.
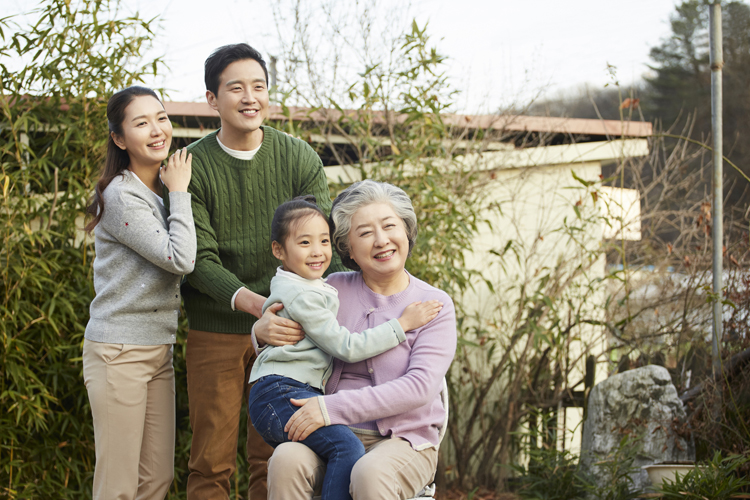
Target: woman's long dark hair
x=117 y=159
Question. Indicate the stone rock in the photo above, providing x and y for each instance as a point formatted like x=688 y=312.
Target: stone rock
x=643 y=405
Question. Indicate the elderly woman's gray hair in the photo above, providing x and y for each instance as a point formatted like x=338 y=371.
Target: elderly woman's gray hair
x=361 y=194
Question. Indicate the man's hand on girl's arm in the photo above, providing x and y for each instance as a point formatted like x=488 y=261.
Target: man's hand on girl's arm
x=272 y=329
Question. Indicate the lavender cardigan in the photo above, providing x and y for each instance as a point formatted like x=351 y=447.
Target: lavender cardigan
x=406 y=381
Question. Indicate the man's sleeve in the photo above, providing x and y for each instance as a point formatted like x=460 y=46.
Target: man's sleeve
x=209 y=276
x=315 y=182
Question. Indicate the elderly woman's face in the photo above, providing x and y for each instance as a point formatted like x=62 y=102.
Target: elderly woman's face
x=378 y=241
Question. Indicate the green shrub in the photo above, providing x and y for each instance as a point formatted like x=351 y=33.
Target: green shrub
x=611 y=477
x=551 y=475
x=717 y=479
x=55 y=78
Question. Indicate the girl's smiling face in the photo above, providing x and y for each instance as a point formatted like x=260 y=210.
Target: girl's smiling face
x=306 y=251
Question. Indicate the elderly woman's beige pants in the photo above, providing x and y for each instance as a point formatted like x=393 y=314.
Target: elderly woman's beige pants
x=390 y=470
x=131 y=393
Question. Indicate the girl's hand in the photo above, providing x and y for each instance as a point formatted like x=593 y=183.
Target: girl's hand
x=176 y=173
x=275 y=330
x=418 y=314
x=306 y=420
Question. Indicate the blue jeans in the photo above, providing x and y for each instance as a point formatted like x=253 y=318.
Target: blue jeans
x=270 y=410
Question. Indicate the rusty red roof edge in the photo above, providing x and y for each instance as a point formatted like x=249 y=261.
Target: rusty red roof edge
x=512 y=123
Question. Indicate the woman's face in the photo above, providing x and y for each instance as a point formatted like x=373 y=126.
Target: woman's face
x=146 y=132
x=378 y=241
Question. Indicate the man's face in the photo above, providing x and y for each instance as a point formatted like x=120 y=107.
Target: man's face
x=242 y=99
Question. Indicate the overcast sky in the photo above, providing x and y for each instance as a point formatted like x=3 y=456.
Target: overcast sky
x=499 y=51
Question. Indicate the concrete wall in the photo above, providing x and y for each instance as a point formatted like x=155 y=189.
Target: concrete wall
x=535 y=203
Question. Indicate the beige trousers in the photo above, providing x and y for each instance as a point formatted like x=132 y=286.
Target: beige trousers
x=390 y=470
x=132 y=398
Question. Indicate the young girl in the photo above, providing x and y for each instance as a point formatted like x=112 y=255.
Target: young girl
x=141 y=253
x=301 y=241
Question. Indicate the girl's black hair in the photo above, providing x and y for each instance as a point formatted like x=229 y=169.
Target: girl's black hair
x=117 y=159
x=290 y=211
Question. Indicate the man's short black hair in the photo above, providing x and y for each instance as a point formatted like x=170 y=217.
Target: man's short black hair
x=223 y=57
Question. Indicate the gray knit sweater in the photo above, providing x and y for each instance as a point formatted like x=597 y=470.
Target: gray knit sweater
x=141 y=254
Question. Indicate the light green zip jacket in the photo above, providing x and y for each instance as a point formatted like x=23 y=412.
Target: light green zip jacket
x=314 y=305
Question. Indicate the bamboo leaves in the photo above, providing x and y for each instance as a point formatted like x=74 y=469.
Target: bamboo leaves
x=56 y=75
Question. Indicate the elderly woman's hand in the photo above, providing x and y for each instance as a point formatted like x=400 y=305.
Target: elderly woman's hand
x=272 y=329
x=306 y=420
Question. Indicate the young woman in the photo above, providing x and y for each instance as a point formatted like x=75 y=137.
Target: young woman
x=301 y=241
x=142 y=251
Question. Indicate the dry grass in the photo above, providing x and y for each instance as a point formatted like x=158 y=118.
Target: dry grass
x=480 y=494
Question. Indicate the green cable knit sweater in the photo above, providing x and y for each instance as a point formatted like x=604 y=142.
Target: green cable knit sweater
x=233 y=203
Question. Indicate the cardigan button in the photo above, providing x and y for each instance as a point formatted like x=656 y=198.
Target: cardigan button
x=371 y=370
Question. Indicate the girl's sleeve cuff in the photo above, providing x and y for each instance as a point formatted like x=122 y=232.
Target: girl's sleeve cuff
x=324 y=410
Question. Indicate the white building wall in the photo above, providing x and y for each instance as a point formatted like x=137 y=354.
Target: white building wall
x=537 y=193
x=534 y=204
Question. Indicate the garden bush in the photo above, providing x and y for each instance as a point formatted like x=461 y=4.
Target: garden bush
x=515 y=365
x=719 y=478
x=56 y=75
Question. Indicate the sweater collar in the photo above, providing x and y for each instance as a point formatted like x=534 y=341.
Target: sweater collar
x=373 y=301
x=227 y=159
x=317 y=283
x=141 y=184
x=240 y=155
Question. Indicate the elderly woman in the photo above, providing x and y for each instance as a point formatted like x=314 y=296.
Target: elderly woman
x=391 y=401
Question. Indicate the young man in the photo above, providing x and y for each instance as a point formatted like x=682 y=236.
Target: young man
x=240 y=175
